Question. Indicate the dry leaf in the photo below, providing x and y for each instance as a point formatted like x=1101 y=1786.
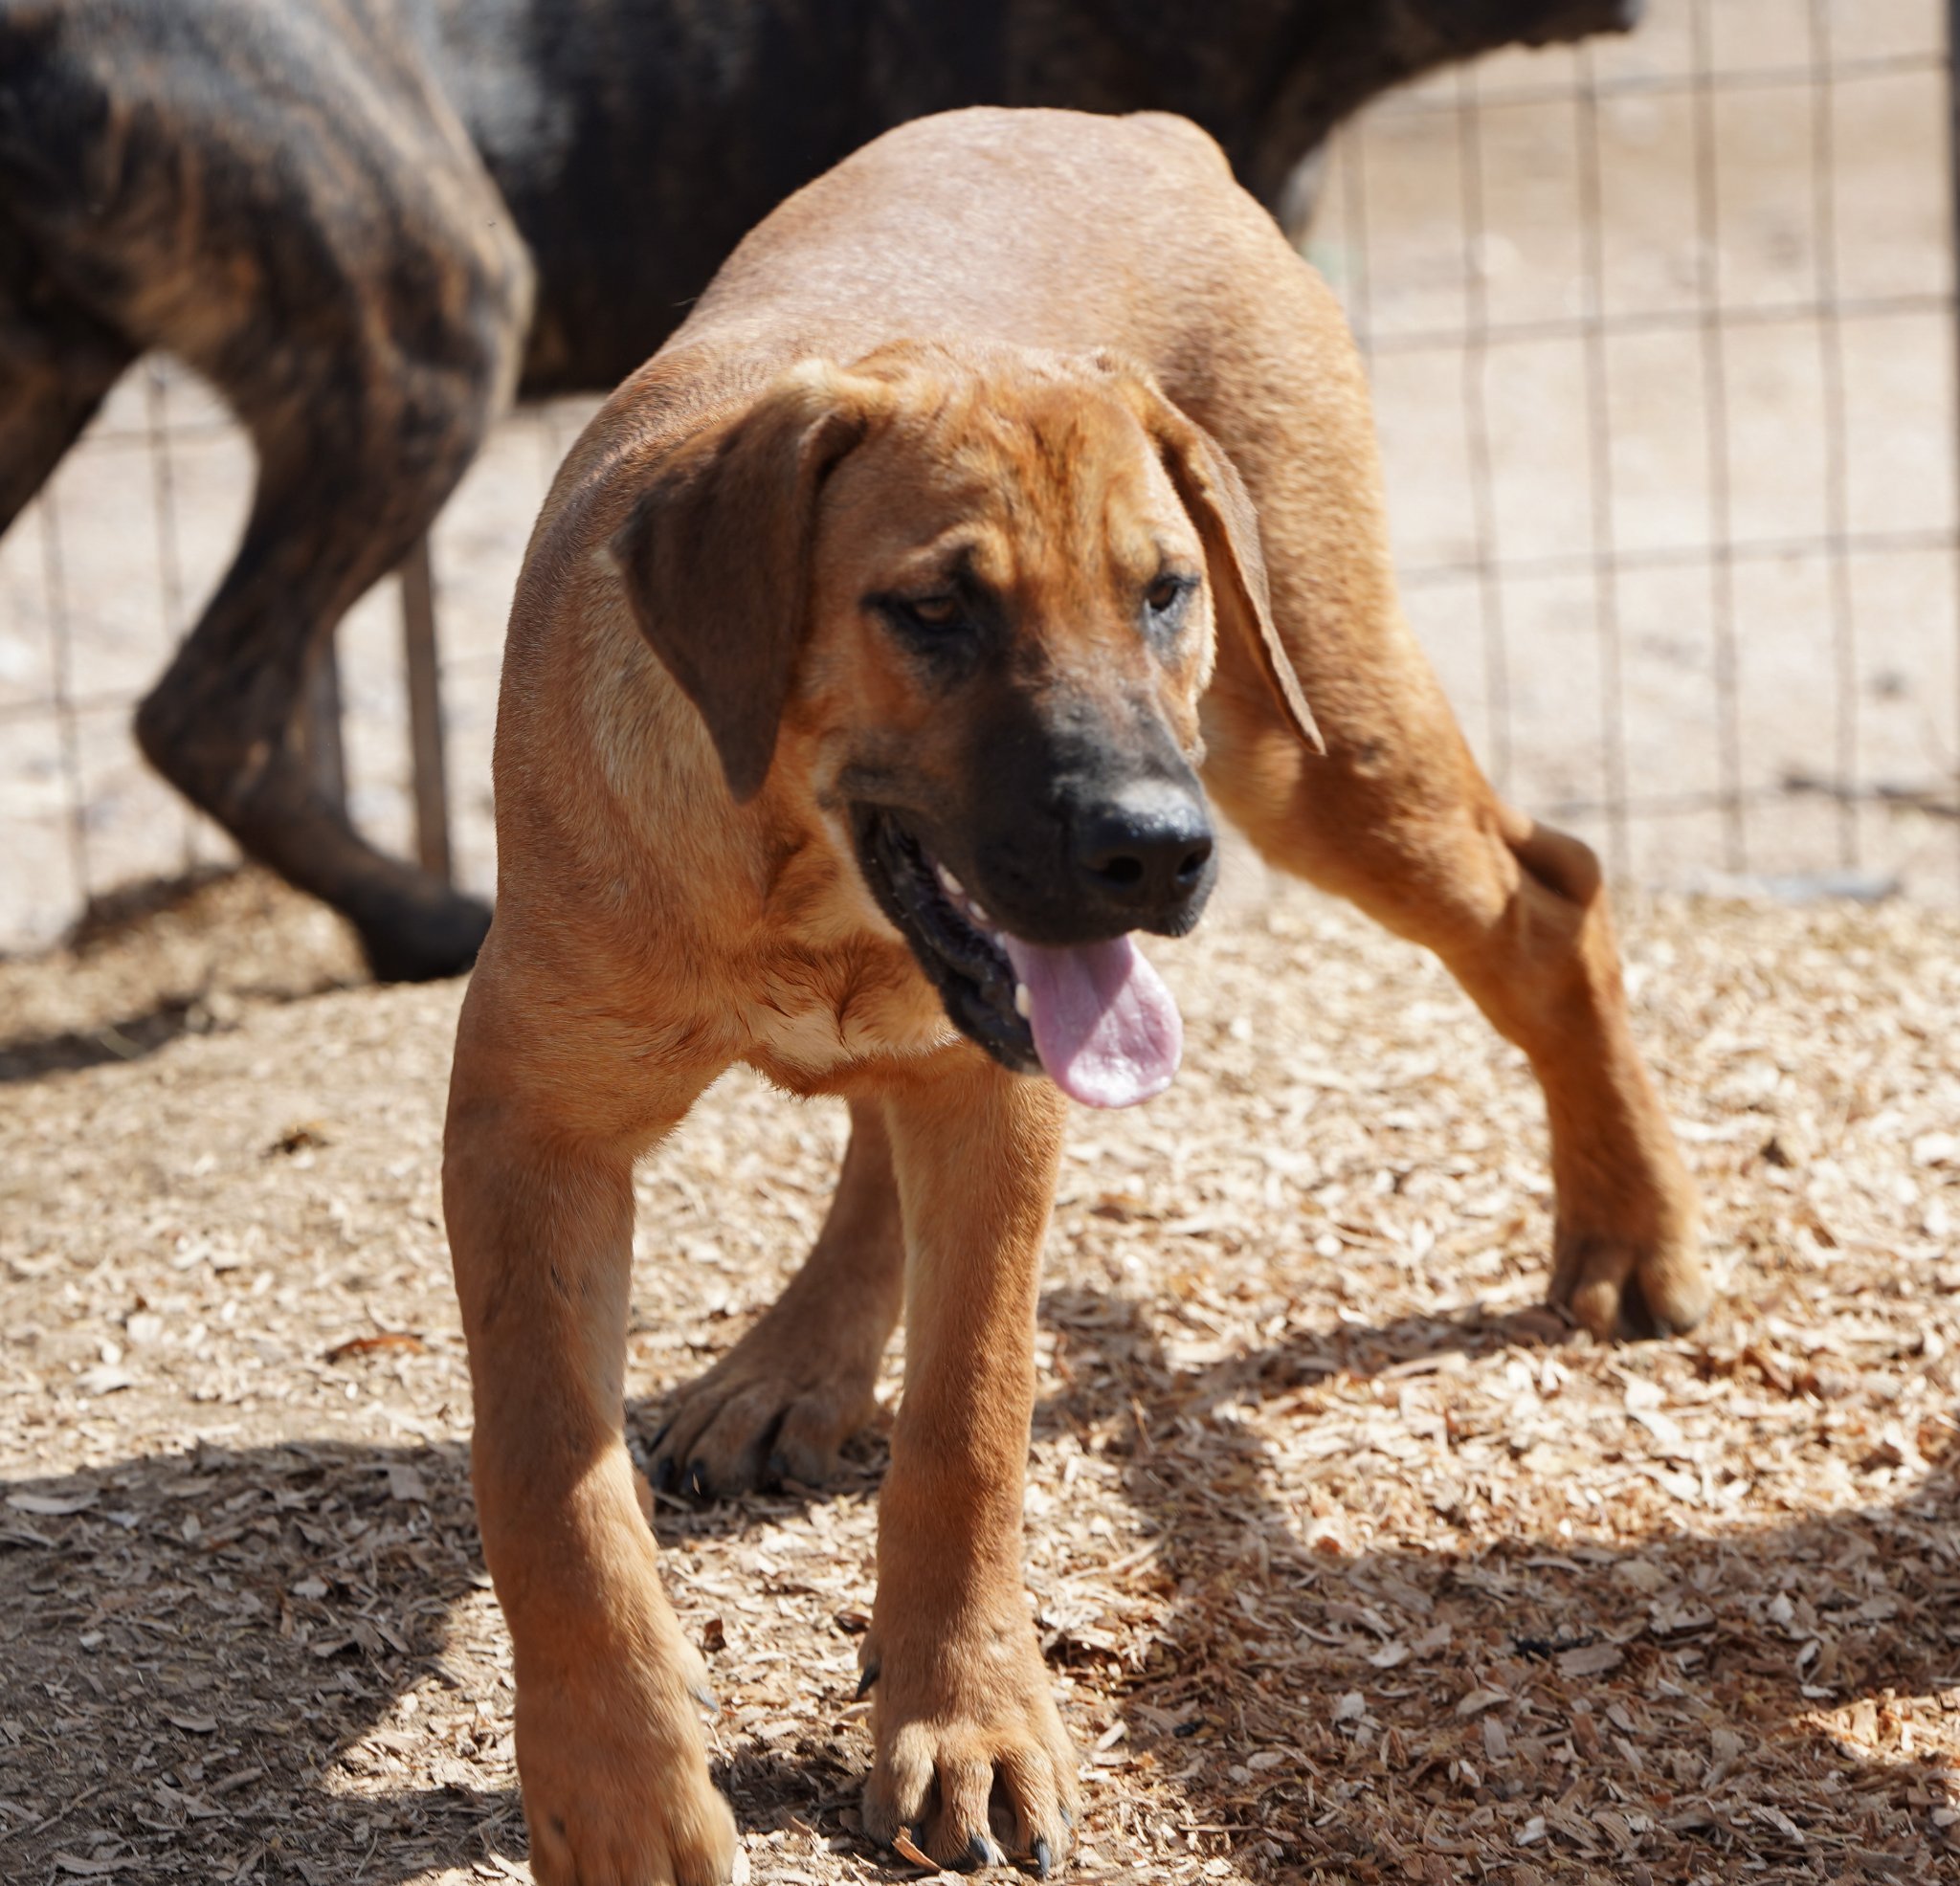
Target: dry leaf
x=52 y=1505
x=1591 y=1659
x=385 y=1338
x=105 y=1379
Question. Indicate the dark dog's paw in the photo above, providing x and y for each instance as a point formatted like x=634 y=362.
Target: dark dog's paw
x=424 y=938
x=778 y=1407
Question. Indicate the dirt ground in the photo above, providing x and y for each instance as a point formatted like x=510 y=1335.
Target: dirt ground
x=1352 y=1561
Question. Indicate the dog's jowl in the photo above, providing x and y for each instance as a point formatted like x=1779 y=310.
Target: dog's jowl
x=1009 y=501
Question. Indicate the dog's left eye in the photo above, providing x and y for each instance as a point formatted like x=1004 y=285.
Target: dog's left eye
x=934 y=612
x=1166 y=593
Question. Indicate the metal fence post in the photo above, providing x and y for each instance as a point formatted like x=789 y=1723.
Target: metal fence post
x=324 y=747
x=1953 y=175
x=425 y=712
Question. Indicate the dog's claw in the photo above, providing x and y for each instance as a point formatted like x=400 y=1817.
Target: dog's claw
x=706 y=1697
x=779 y=1467
x=696 y=1483
x=664 y=1475
x=865 y=1680
x=982 y=1851
x=1044 y=1858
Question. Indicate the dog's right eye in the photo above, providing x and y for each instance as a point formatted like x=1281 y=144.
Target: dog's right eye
x=924 y=618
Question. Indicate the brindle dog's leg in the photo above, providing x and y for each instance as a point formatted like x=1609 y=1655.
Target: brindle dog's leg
x=798 y=1385
x=281 y=197
x=56 y=365
x=224 y=723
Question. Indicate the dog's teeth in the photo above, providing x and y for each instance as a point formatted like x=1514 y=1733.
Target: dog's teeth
x=979 y=914
x=948 y=884
x=1023 y=1007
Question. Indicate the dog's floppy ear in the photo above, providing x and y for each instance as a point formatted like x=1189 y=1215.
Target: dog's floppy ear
x=1216 y=497
x=716 y=556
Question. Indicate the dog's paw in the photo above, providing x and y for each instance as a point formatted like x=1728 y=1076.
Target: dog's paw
x=1628 y=1288
x=422 y=935
x=615 y=1781
x=777 y=1407
x=977 y=1777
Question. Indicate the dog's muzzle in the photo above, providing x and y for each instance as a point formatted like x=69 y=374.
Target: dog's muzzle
x=1084 y=1006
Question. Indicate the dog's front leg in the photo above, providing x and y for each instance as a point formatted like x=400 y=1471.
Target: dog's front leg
x=539 y=1200
x=963 y=1710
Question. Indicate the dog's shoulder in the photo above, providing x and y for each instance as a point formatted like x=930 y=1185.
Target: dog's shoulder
x=1076 y=145
x=1190 y=139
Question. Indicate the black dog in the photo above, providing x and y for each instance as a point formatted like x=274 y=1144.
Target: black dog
x=366 y=221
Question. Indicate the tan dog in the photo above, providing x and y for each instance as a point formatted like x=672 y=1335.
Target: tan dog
x=857 y=683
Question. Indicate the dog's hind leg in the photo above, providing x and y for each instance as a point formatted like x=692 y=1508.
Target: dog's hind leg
x=57 y=366
x=781 y=1403
x=224 y=725
x=1398 y=818
x=1518 y=913
x=281 y=198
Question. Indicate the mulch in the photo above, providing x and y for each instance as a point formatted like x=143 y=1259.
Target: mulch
x=1352 y=1560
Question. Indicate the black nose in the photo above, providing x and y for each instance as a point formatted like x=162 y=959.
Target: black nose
x=1147 y=848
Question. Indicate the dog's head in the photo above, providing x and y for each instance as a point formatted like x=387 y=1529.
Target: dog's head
x=978 y=595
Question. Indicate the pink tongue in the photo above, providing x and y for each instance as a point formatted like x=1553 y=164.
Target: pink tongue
x=1106 y=1029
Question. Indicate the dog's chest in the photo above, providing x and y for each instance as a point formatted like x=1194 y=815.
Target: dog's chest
x=809 y=1021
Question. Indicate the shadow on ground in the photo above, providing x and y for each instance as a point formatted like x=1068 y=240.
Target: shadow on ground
x=163 y=958
x=205 y=1657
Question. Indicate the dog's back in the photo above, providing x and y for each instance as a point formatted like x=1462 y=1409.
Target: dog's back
x=1048 y=229
x=1060 y=230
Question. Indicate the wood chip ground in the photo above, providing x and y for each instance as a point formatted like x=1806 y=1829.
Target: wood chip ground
x=1352 y=1561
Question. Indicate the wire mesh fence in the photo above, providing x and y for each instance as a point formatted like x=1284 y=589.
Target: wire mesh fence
x=1662 y=332
x=1662 y=338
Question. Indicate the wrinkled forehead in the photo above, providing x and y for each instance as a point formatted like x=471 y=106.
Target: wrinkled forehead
x=1016 y=477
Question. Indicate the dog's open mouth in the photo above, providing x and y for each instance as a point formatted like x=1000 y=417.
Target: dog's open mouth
x=1095 y=1017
